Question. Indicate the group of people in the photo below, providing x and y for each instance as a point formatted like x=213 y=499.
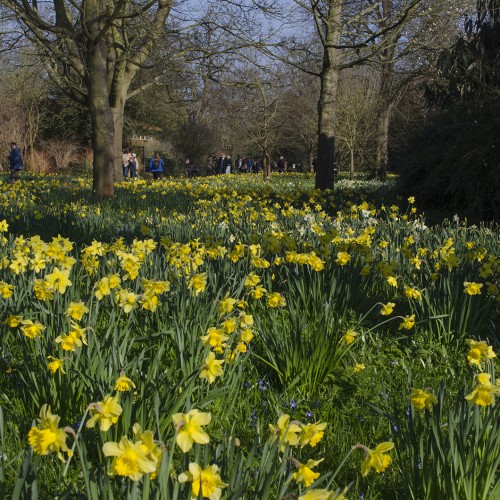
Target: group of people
x=223 y=164
x=131 y=165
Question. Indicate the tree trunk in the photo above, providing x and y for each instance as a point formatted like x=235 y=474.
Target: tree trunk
x=325 y=159
x=118 y=120
x=102 y=122
x=383 y=120
x=351 y=174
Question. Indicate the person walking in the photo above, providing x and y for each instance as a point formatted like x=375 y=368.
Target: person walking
x=15 y=162
x=126 y=158
x=156 y=166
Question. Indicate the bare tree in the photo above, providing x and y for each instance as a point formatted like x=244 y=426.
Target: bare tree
x=93 y=49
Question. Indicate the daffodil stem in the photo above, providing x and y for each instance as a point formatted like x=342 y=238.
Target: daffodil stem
x=82 y=423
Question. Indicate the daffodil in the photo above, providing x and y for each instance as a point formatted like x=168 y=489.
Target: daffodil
x=472 y=288
x=124 y=384
x=105 y=412
x=484 y=391
x=211 y=368
x=275 y=300
x=304 y=473
x=422 y=399
x=349 y=337
x=198 y=283
x=321 y=494
x=131 y=460
x=387 y=308
x=377 y=458
x=408 y=322
x=47 y=437
x=59 y=280
x=55 y=364
x=479 y=352
x=311 y=434
x=205 y=482
x=76 y=310
x=31 y=329
x=285 y=431
x=189 y=428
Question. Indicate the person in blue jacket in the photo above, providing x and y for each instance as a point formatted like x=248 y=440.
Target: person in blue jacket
x=15 y=162
x=156 y=166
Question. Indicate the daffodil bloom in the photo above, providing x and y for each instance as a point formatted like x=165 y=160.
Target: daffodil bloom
x=484 y=391
x=76 y=310
x=258 y=292
x=105 y=412
x=479 y=352
x=349 y=337
x=387 y=309
x=198 y=283
x=311 y=434
x=229 y=325
x=246 y=336
x=43 y=290
x=214 y=338
x=30 y=329
x=413 y=293
x=358 y=367
x=6 y=290
x=227 y=305
x=59 y=280
x=126 y=300
x=189 y=428
x=422 y=399
x=211 y=369
x=153 y=451
x=304 y=473
x=132 y=460
x=124 y=384
x=13 y=321
x=321 y=495
x=392 y=281
x=246 y=320
x=285 y=431
x=276 y=300
x=150 y=301
x=377 y=458
x=252 y=280
x=472 y=288
x=408 y=322
x=55 y=364
x=206 y=482
x=342 y=258
x=47 y=437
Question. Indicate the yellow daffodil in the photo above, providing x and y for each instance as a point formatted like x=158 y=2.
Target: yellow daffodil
x=387 y=309
x=285 y=431
x=479 y=352
x=211 y=369
x=472 y=288
x=205 y=482
x=484 y=391
x=304 y=473
x=30 y=329
x=76 y=310
x=311 y=434
x=55 y=364
x=275 y=300
x=377 y=458
x=198 y=283
x=106 y=412
x=131 y=460
x=408 y=322
x=189 y=428
x=422 y=399
x=349 y=337
x=47 y=437
x=124 y=384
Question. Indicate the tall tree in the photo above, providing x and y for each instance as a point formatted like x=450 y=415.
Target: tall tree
x=344 y=30
x=93 y=49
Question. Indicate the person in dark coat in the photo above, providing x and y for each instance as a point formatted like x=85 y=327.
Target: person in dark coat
x=15 y=162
